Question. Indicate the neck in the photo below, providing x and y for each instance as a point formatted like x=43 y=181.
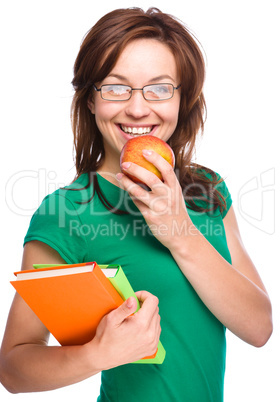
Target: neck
x=107 y=175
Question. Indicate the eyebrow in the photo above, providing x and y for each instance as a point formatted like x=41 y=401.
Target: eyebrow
x=155 y=79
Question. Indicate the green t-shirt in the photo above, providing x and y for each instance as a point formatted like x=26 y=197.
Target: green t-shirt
x=193 y=338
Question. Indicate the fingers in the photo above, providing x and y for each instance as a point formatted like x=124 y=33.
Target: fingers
x=124 y=311
x=156 y=201
x=148 y=316
x=133 y=335
x=143 y=295
x=148 y=177
x=167 y=171
x=162 y=195
x=149 y=305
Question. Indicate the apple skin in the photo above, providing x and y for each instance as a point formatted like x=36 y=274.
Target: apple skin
x=132 y=152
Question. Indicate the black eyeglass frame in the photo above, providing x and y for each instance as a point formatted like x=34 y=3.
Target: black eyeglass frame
x=136 y=89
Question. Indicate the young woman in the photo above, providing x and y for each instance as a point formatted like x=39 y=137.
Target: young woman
x=141 y=73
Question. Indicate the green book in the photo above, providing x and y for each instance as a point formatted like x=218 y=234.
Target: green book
x=123 y=287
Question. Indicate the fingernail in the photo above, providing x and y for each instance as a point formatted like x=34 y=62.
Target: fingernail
x=126 y=165
x=130 y=302
x=146 y=152
x=119 y=176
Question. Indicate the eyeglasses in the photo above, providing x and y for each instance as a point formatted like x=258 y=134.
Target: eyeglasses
x=154 y=92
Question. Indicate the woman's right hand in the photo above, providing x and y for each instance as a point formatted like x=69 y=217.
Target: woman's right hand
x=123 y=337
x=28 y=364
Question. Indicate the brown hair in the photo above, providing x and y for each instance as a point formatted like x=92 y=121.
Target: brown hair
x=111 y=34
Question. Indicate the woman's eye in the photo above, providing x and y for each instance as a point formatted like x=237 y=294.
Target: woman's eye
x=161 y=89
x=158 y=91
x=118 y=90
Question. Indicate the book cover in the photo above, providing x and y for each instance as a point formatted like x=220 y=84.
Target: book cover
x=71 y=300
x=122 y=285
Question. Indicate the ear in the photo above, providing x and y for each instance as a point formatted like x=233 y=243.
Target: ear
x=91 y=105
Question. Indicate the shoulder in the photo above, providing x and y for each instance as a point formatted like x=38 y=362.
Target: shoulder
x=69 y=198
x=207 y=173
x=218 y=185
x=62 y=207
x=57 y=221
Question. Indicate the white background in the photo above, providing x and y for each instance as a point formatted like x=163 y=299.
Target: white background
x=39 y=43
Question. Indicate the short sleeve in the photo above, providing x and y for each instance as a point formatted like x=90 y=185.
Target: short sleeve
x=224 y=191
x=57 y=224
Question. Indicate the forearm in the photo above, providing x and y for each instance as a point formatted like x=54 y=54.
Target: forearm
x=33 y=368
x=235 y=300
x=232 y=293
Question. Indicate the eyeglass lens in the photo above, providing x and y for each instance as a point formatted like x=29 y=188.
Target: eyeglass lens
x=150 y=92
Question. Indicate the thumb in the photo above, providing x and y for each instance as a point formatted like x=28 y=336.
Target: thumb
x=126 y=309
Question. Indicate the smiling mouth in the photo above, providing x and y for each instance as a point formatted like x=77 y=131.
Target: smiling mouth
x=136 y=130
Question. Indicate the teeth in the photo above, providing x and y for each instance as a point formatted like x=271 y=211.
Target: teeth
x=137 y=131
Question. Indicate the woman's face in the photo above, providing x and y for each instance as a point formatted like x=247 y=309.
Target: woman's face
x=143 y=62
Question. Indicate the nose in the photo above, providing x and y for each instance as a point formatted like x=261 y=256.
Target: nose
x=137 y=107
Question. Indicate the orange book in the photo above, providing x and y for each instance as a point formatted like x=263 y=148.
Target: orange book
x=71 y=300
x=70 y=306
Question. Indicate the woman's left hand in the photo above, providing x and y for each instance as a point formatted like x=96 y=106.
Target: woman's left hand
x=233 y=292
x=163 y=207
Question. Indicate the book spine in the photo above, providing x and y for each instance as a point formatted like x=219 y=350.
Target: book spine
x=122 y=285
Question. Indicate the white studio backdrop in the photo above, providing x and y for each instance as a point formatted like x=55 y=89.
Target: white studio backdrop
x=39 y=43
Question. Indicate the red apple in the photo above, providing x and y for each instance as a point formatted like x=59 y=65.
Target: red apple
x=132 y=152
